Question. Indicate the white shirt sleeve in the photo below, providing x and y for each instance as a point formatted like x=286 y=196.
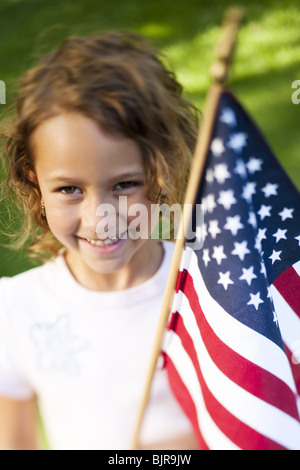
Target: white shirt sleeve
x=12 y=383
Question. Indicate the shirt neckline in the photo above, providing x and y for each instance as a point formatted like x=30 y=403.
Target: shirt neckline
x=153 y=286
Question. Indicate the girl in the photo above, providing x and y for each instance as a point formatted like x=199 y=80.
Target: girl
x=100 y=122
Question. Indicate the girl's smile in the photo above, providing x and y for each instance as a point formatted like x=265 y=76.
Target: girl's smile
x=79 y=169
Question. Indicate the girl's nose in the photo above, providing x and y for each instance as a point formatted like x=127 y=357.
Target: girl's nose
x=100 y=217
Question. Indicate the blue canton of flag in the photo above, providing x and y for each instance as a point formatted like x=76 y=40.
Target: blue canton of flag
x=251 y=229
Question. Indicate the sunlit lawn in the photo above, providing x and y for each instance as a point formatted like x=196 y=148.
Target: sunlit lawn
x=267 y=59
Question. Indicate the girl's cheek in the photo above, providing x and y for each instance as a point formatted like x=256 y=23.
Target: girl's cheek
x=61 y=218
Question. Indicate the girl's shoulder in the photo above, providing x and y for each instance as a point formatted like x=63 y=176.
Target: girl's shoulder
x=24 y=287
x=30 y=278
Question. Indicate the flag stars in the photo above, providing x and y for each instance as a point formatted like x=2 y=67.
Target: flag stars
x=201 y=232
x=248 y=275
x=275 y=318
x=240 y=169
x=217 y=147
x=286 y=214
x=261 y=235
x=248 y=191
x=280 y=235
x=227 y=199
x=225 y=279
x=263 y=269
x=255 y=300
x=219 y=254
x=252 y=219
x=228 y=117
x=206 y=257
x=270 y=190
x=275 y=256
x=209 y=203
x=209 y=175
x=240 y=249
x=237 y=141
x=214 y=229
x=221 y=173
x=233 y=224
x=254 y=164
x=264 y=211
x=298 y=239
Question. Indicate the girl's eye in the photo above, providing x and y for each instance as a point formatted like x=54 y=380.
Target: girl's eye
x=126 y=185
x=70 y=190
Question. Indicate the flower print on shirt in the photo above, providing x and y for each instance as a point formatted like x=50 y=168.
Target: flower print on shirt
x=57 y=348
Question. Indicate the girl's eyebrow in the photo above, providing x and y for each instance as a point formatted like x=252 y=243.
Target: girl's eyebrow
x=129 y=175
x=67 y=179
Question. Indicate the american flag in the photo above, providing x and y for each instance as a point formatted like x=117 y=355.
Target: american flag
x=232 y=350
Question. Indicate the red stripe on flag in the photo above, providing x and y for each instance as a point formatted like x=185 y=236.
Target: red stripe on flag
x=288 y=284
x=181 y=393
x=235 y=430
x=251 y=377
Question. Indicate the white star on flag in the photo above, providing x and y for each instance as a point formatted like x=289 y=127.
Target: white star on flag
x=240 y=249
x=255 y=300
x=280 y=234
x=233 y=224
x=240 y=169
x=237 y=141
x=209 y=203
x=214 y=228
x=225 y=279
x=221 y=173
x=248 y=275
x=270 y=190
x=206 y=257
x=219 y=254
x=217 y=147
x=248 y=191
x=264 y=211
x=261 y=235
x=227 y=199
x=252 y=219
x=286 y=214
x=209 y=175
x=275 y=256
x=254 y=164
x=228 y=117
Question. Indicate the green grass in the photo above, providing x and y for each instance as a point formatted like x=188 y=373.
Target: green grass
x=267 y=59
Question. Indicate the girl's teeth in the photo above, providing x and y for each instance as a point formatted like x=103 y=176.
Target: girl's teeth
x=108 y=241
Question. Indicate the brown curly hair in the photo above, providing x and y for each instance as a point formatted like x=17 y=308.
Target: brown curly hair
x=119 y=80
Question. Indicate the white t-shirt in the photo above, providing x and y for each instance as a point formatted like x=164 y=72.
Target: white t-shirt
x=85 y=354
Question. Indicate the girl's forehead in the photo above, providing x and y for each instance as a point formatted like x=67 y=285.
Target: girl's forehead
x=74 y=141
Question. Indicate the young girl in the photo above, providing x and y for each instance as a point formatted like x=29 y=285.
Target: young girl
x=99 y=121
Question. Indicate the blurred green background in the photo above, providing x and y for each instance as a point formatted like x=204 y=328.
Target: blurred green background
x=267 y=59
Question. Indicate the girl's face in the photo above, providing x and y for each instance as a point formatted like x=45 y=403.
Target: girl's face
x=82 y=173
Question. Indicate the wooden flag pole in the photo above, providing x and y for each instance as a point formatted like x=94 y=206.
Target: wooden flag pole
x=219 y=73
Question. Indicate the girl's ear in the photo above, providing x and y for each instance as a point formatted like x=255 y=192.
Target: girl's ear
x=31 y=175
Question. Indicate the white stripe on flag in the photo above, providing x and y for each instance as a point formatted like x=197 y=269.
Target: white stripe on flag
x=296 y=266
x=289 y=322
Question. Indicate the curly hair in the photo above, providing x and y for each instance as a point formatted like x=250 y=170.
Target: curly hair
x=119 y=80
